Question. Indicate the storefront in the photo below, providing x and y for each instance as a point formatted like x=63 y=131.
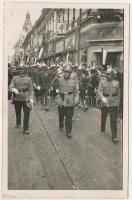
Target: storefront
x=108 y=36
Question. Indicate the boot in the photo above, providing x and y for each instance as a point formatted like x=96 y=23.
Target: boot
x=69 y=135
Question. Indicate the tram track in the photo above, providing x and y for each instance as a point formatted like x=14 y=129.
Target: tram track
x=75 y=185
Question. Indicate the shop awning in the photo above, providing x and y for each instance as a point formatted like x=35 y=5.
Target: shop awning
x=101 y=32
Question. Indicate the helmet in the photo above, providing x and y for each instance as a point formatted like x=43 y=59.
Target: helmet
x=21 y=66
x=51 y=66
x=61 y=63
x=44 y=65
x=75 y=66
x=109 y=71
x=67 y=69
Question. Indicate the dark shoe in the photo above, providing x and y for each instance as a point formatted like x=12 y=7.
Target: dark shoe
x=26 y=132
x=61 y=127
x=102 y=133
x=69 y=135
x=46 y=109
x=85 y=109
x=115 y=140
x=17 y=125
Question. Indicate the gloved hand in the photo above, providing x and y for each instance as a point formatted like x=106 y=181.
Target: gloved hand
x=38 y=87
x=35 y=85
x=31 y=101
x=14 y=90
x=104 y=100
x=57 y=91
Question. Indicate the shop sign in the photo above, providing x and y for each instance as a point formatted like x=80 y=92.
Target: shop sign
x=59 y=46
x=100 y=32
x=70 y=43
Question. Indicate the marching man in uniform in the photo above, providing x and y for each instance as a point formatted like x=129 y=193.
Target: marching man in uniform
x=68 y=96
x=109 y=93
x=22 y=88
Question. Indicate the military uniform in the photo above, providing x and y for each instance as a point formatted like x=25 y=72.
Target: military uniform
x=43 y=81
x=24 y=87
x=110 y=95
x=93 y=85
x=67 y=96
x=83 y=88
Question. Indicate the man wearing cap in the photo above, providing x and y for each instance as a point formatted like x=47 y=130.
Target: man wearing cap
x=93 y=85
x=74 y=75
x=43 y=82
x=83 y=88
x=68 y=96
x=51 y=75
x=109 y=93
x=22 y=88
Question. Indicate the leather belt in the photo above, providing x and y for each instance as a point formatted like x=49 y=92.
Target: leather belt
x=23 y=90
x=63 y=94
x=107 y=95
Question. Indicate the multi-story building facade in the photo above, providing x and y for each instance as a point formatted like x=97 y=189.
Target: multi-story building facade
x=19 y=52
x=79 y=34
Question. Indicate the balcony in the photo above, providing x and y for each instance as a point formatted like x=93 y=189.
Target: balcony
x=71 y=26
x=108 y=15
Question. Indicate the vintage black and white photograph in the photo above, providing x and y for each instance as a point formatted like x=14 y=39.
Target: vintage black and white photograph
x=65 y=76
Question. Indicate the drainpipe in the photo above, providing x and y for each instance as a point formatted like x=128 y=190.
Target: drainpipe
x=78 y=48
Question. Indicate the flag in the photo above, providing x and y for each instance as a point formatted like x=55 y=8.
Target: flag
x=104 y=55
x=27 y=59
x=67 y=58
x=40 y=52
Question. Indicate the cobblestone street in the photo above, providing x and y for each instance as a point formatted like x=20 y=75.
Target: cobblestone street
x=46 y=159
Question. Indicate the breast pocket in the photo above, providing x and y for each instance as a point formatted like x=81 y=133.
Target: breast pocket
x=115 y=90
x=105 y=90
